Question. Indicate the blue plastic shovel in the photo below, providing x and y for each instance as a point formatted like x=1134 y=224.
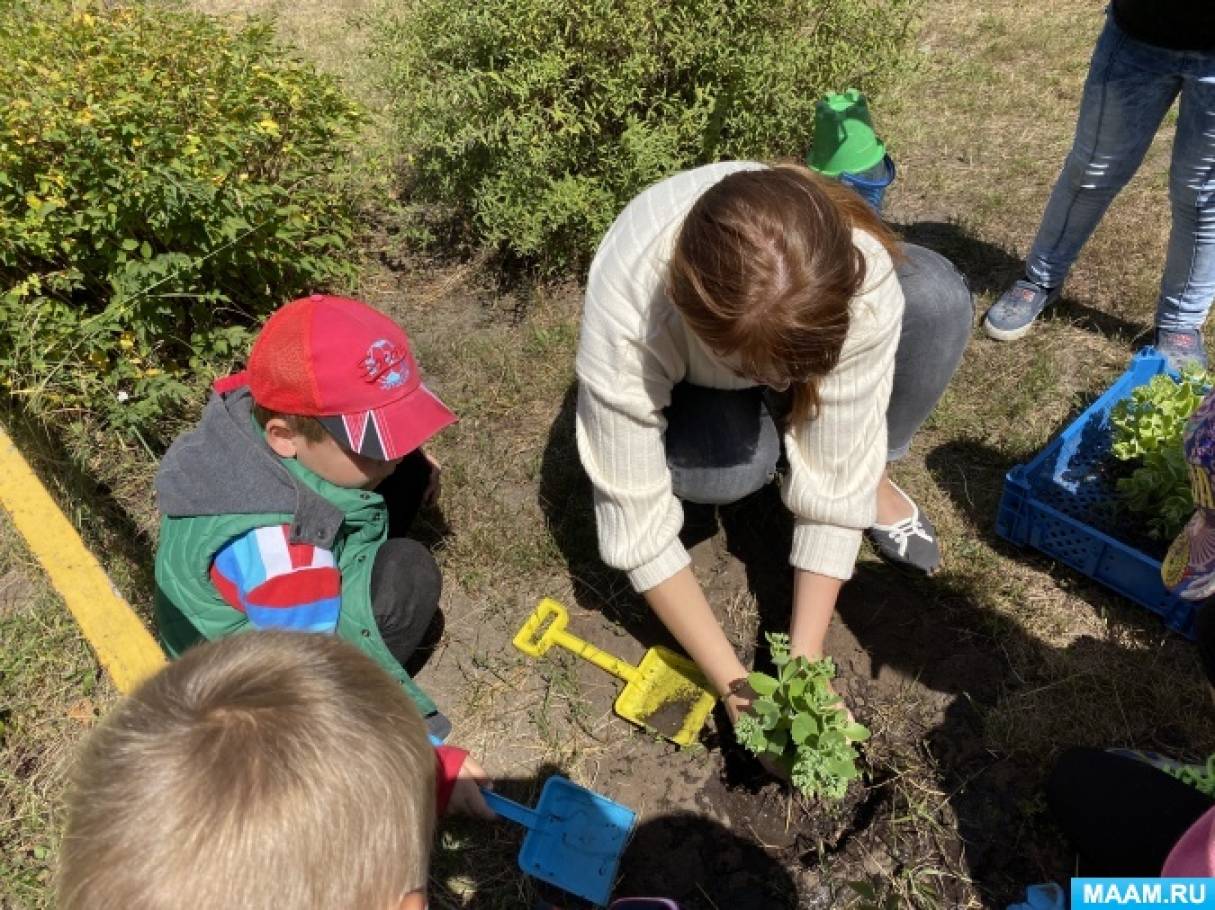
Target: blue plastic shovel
x=574 y=840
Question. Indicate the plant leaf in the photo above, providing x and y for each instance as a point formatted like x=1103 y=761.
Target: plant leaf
x=856 y=733
x=762 y=683
x=803 y=726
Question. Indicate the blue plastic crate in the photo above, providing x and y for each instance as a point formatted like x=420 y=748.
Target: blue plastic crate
x=1061 y=503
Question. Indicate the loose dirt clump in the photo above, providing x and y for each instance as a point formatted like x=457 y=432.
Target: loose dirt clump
x=669 y=718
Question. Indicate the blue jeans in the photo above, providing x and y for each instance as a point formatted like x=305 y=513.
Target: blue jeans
x=1130 y=87
x=723 y=444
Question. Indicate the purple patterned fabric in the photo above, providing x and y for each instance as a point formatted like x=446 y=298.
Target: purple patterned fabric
x=1189 y=568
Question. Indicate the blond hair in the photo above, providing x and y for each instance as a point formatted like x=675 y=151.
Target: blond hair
x=764 y=271
x=266 y=770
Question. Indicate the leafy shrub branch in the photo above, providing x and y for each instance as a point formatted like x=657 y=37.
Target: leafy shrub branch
x=535 y=121
x=163 y=184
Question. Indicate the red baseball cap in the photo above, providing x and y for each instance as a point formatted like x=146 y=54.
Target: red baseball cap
x=349 y=366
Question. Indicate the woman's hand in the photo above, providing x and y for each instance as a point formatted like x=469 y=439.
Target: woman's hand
x=466 y=798
x=738 y=699
x=814 y=598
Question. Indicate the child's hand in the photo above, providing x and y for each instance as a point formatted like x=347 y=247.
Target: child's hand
x=466 y=798
x=434 y=485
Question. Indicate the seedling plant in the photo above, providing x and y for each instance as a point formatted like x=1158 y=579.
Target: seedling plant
x=797 y=722
x=1148 y=429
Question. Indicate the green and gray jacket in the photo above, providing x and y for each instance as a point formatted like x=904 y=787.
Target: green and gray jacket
x=222 y=480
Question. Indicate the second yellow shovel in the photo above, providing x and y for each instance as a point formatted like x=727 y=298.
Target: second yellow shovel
x=665 y=693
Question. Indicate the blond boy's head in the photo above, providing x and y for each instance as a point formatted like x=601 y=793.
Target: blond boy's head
x=273 y=769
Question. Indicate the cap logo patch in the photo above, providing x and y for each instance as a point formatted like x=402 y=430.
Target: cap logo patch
x=384 y=365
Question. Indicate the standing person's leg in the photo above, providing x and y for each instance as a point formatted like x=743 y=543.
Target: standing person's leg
x=1129 y=88
x=938 y=316
x=1188 y=284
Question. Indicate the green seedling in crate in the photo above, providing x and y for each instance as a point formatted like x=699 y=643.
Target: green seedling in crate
x=1148 y=426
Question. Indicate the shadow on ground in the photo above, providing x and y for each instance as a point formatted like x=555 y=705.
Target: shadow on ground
x=681 y=856
x=91 y=506
x=980 y=703
x=991 y=269
x=565 y=499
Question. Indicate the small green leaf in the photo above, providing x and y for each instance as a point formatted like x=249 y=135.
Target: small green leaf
x=864 y=889
x=762 y=683
x=129 y=244
x=778 y=742
x=857 y=733
x=801 y=728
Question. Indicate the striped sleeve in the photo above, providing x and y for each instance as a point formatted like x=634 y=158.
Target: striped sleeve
x=278 y=584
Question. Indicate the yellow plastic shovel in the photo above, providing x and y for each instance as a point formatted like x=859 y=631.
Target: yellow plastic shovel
x=666 y=693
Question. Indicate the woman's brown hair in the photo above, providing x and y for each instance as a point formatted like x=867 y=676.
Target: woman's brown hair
x=764 y=270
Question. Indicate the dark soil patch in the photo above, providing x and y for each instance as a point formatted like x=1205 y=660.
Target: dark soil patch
x=775 y=814
x=703 y=864
x=668 y=719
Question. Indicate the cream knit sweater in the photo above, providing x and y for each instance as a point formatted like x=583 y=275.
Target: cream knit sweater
x=634 y=347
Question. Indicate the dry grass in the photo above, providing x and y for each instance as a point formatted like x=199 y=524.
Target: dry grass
x=331 y=33
x=1011 y=81
x=979 y=133
x=51 y=692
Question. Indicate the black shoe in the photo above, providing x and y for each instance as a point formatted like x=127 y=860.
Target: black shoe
x=910 y=543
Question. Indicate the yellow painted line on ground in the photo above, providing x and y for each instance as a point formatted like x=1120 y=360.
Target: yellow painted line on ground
x=123 y=645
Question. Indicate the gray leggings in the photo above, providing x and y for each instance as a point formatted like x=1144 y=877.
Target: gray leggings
x=723 y=444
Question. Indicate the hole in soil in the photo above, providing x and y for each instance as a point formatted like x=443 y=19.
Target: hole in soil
x=778 y=817
x=872 y=797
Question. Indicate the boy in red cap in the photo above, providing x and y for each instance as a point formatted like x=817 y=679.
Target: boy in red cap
x=287 y=507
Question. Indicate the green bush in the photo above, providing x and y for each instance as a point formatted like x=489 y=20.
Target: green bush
x=537 y=120
x=163 y=184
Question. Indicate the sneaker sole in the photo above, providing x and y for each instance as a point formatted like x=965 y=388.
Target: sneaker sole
x=1006 y=334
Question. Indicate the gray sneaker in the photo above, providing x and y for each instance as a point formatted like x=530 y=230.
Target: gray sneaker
x=910 y=543
x=1014 y=313
x=1181 y=348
